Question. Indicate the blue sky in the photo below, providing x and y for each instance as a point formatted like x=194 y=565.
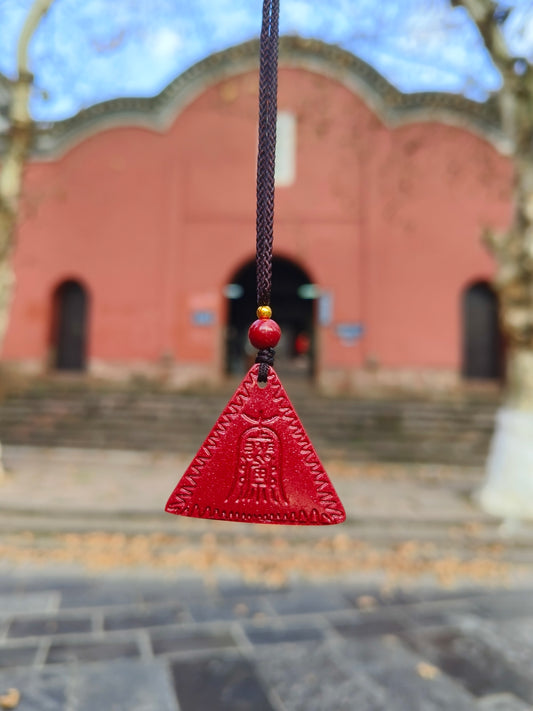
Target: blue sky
x=85 y=52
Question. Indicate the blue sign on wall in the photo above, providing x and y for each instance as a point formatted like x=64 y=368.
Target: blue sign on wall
x=203 y=318
x=349 y=333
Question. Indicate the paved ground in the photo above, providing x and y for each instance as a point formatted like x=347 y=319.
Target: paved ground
x=418 y=602
x=144 y=644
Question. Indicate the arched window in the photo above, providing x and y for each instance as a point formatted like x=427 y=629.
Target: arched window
x=69 y=330
x=482 y=356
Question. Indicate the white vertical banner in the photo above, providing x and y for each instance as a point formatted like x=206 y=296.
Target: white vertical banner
x=285 y=149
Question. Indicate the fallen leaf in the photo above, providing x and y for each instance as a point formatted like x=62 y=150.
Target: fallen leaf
x=426 y=671
x=366 y=602
x=10 y=699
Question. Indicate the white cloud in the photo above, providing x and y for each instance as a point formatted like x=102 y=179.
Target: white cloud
x=164 y=42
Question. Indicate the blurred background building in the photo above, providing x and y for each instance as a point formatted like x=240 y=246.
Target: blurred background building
x=136 y=242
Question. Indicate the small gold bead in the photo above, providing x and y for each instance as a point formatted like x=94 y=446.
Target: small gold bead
x=264 y=312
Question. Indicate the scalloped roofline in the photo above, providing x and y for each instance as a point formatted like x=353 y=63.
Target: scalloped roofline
x=158 y=112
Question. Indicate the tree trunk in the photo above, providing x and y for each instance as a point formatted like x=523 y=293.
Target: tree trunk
x=6 y=289
x=508 y=488
x=14 y=161
x=10 y=188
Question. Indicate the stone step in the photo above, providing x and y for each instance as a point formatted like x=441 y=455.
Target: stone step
x=362 y=410
x=388 y=429
x=383 y=451
x=342 y=428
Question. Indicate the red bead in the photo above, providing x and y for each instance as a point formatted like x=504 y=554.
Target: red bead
x=264 y=333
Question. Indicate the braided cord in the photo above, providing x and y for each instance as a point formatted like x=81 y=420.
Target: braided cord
x=266 y=155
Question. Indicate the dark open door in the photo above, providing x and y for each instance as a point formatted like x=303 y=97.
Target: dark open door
x=292 y=309
x=482 y=341
x=71 y=306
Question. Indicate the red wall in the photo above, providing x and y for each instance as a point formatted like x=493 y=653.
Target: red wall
x=388 y=221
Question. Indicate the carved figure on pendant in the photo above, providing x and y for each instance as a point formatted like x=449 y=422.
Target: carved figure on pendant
x=258 y=468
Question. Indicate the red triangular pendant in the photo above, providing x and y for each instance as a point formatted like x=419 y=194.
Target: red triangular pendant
x=257 y=465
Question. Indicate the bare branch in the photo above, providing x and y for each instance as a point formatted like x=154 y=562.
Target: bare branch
x=21 y=129
x=35 y=15
x=484 y=14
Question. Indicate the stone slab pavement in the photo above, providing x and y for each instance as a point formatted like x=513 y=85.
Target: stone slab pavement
x=106 y=602
x=142 y=643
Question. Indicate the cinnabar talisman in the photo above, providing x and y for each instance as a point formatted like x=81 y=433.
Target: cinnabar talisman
x=257 y=464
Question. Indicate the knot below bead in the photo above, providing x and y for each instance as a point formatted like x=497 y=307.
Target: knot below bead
x=265 y=358
x=265 y=355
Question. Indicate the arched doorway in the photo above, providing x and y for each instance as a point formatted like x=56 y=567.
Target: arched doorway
x=482 y=356
x=292 y=302
x=69 y=331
